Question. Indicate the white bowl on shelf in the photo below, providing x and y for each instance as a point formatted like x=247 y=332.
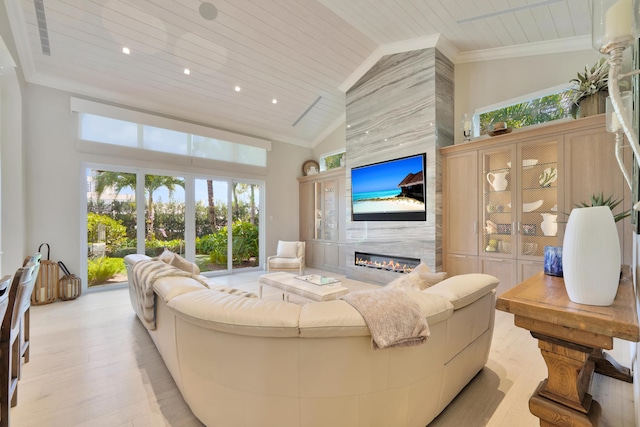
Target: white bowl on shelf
x=528 y=207
x=526 y=163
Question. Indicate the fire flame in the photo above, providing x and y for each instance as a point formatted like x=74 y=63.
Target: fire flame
x=390 y=265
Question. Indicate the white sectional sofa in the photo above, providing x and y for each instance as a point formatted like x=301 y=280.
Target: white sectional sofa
x=250 y=362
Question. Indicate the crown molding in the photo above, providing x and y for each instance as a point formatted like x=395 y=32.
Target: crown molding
x=569 y=44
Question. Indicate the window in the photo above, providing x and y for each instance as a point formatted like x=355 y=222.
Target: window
x=540 y=107
x=128 y=134
x=109 y=125
x=332 y=160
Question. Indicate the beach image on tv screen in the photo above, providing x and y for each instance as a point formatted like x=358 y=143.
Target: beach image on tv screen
x=394 y=186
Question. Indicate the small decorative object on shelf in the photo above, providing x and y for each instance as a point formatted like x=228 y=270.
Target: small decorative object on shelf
x=549 y=224
x=310 y=167
x=491 y=227
x=504 y=228
x=466 y=127
x=529 y=229
x=548 y=177
x=498 y=180
x=499 y=128
x=553 y=260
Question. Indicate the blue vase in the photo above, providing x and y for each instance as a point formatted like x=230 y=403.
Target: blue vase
x=553 y=260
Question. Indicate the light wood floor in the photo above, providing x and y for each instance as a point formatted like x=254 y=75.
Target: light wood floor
x=93 y=364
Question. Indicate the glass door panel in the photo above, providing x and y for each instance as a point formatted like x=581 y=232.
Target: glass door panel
x=330 y=210
x=317 y=208
x=211 y=210
x=539 y=197
x=245 y=240
x=164 y=214
x=498 y=180
x=111 y=225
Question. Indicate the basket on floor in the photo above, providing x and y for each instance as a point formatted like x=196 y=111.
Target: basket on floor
x=69 y=286
x=45 y=290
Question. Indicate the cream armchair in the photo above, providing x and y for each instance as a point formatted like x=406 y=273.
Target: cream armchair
x=289 y=256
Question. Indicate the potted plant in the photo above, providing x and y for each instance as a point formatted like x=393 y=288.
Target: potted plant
x=599 y=200
x=589 y=94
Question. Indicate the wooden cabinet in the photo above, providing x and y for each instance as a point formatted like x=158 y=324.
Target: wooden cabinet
x=504 y=198
x=460 y=172
x=322 y=219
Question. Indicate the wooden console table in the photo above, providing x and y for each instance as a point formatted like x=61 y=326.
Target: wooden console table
x=571 y=338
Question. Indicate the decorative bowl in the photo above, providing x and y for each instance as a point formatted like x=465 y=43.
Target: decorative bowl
x=497 y=132
x=528 y=207
x=548 y=177
x=526 y=163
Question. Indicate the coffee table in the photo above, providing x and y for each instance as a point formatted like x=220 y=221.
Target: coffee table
x=328 y=289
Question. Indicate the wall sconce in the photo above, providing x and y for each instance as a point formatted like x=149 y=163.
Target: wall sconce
x=615 y=27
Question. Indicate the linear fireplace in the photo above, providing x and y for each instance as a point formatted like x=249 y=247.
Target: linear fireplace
x=394 y=263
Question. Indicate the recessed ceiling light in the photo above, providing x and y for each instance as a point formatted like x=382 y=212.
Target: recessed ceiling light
x=126 y=50
x=274 y=101
x=237 y=88
x=187 y=71
x=208 y=11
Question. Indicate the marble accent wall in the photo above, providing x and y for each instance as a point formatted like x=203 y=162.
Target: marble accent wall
x=402 y=106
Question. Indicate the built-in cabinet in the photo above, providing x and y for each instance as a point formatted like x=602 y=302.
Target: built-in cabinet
x=505 y=198
x=322 y=219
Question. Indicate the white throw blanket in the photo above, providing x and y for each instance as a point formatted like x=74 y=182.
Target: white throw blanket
x=394 y=319
x=145 y=273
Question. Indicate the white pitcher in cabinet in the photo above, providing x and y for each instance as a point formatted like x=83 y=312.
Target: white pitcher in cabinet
x=549 y=225
x=498 y=180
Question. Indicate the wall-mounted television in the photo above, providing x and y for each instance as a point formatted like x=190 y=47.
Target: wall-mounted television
x=392 y=190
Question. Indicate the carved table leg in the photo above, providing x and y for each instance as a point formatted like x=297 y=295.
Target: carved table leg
x=562 y=399
x=607 y=365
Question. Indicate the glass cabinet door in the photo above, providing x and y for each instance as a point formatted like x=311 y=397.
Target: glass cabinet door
x=317 y=209
x=330 y=210
x=538 y=197
x=497 y=202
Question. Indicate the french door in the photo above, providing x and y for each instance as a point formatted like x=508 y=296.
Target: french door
x=139 y=211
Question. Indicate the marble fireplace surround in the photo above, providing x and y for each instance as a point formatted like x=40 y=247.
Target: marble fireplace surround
x=402 y=106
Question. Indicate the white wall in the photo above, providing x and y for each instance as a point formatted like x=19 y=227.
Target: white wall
x=55 y=179
x=479 y=84
x=335 y=141
x=13 y=223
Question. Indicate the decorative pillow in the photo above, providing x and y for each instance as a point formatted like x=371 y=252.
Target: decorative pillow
x=419 y=279
x=420 y=269
x=166 y=256
x=183 y=264
x=287 y=249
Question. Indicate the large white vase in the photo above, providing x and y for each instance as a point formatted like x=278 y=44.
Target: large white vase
x=591 y=256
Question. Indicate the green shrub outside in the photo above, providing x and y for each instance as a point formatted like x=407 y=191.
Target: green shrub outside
x=245 y=243
x=115 y=232
x=103 y=268
x=121 y=252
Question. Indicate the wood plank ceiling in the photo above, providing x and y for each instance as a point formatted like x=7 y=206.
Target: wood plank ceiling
x=299 y=52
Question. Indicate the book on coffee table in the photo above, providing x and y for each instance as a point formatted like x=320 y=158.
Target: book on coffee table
x=318 y=280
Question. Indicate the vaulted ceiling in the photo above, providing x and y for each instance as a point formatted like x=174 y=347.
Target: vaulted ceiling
x=303 y=53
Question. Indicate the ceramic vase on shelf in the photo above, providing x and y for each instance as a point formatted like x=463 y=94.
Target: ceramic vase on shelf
x=549 y=225
x=591 y=256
